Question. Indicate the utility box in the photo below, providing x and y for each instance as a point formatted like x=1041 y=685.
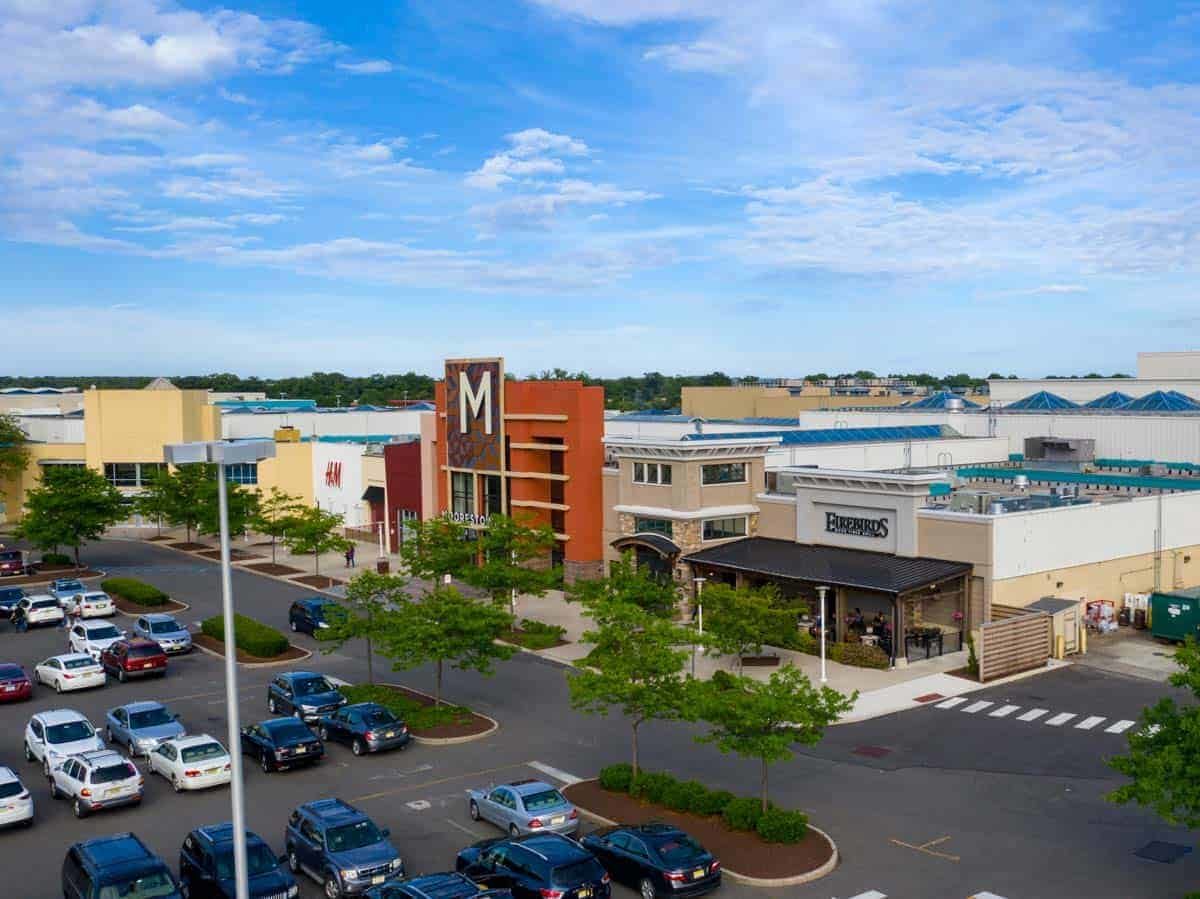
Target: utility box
x=1176 y=615
x=1065 y=619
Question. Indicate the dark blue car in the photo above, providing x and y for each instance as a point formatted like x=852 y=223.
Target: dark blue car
x=536 y=865
x=436 y=886
x=305 y=694
x=341 y=848
x=118 y=865
x=365 y=727
x=206 y=869
x=281 y=743
x=9 y=597
x=307 y=616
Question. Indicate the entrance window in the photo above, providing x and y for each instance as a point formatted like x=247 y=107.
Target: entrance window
x=652 y=526
x=651 y=473
x=492 y=499
x=121 y=474
x=241 y=473
x=724 y=528
x=723 y=473
x=462 y=493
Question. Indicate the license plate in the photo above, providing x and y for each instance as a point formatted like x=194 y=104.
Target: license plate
x=585 y=893
x=558 y=819
x=300 y=750
x=147 y=664
x=9 y=688
x=378 y=878
x=212 y=770
x=115 y=791
x=698 y=873
x=388 y=735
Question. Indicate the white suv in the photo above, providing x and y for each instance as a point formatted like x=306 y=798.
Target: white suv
x=52 y=736
x=41 y=609
x=93 y=637
x=16 y=805
x=94 y=780
x=93 y=604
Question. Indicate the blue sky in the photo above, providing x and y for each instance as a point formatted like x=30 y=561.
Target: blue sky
x=759 y=187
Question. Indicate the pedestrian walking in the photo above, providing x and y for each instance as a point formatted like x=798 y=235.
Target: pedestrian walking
x=350 y=556
x=20 y=622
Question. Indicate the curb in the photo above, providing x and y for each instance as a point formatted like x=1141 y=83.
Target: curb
x=447 y=741
x=89 y=577
x=794 y=880
x=150 y=611
x=217 y=655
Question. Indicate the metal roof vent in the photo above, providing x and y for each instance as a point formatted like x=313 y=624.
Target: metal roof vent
x=954 y=404
x=698 y=425
x=1021 y=483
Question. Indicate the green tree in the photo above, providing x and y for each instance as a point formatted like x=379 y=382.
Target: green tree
x=436 y=547
x=155 y=499
x=187 y=493
x=508 y=553
x=627 y=583
x=738 y=622
x=14 y=453
x=71 y=506
x=636 y=666
x=241 y=505
x=762 y=720
x=273 y=515
x=315 y=531
x=1164 y=750
x=445 y=627
x=367 y=612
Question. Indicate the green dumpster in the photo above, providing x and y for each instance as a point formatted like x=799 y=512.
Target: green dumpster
x=1175 y=615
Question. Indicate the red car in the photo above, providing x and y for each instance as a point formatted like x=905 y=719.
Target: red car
x=134 y=657
x=13 y=562
x=15 y=684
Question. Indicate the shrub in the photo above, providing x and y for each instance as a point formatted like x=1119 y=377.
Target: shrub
x=616 y=778
x=864 y=655
x=778 y=825
x=713 y=802
x=682 y=796
x=723 y=680
x=249 y=636
x=135 y=591
x=742 y=814
x=536 y=634
x=652 y=786
x=972 y=658
x=56 y=559
x=532 y=626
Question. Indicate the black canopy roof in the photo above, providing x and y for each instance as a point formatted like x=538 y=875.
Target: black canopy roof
x=665 y=546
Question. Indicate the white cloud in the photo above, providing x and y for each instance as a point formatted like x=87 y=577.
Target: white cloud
x=698 y=56
x=533 y=151
x=182 y=223
x=258 y=218
x=1058 y=289
x=234 y=97
x=130 y=119
x=536 y=211
x=368 y=67
x=210 y=161
x=235 y=184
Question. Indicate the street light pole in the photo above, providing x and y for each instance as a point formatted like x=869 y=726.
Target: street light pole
x=699 y=582
x=821 y=592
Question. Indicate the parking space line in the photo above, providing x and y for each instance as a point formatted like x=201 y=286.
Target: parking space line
x=926 y=847
x=1032 y=715
x=568 y=779
x=949 y=704
x=473 y=834
x=977 y=706
x=1120 y=727
x=870 y=894
x=433 y=783
x=1089 y=723
x=1060 y=719
x=1004 y=711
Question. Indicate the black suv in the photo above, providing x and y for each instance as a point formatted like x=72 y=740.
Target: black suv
x=307 y=616
x=119 y=865
x=536 y=865
x=339 y=847
x=206 y=868
x=304 y=694
x=436 y=886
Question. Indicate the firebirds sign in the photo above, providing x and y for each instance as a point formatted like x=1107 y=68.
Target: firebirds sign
x=475 y=414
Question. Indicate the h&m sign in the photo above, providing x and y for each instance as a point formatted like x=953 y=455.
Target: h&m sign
x=475 y=414
x=856 y=526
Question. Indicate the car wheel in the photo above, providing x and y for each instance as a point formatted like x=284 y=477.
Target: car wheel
x=513 y=832
x=46 y=766
x=176 y=784
x=293 y=862
x=357 y=747
x=58 y=686
x=333 y=889
x=473 y=810
x=292 y=624
x=121 y=675
x=107 y=734
x=265 y=761
x=271 y=705
x=323 y=733
x=647 y=889
x=29 y=756
x=54 y=793
x=79 y=810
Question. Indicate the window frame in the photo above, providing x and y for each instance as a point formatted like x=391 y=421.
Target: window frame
x=719 y=466
x=706 y=536
x=466 y=494
x=640 y=521
x=652 y=474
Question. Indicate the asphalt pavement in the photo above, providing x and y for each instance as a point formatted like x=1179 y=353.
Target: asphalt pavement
x=930 y=803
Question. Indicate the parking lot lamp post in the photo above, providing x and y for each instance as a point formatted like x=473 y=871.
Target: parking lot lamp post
x=223 y=453
x=821 y=593
x=699 y=582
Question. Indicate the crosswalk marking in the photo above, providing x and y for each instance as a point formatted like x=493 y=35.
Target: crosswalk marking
x=1032 y=715
x=977 y=706
x=1004 y=711
x=948 y=704
x=1120 y=727
x=1089 y=723
x=1060 y=719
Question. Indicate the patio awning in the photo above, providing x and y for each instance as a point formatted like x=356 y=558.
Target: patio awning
x=833 y=565
x=373 y=494
x=664 y=546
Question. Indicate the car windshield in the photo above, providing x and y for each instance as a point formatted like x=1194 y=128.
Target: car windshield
x=144 y=650
x=259 y=860
x=164 y=627
x=311 y=686
x=105 y=632
x=81 y=662
x=582 y=871
x=379 y=718
x=109 y=773
x=11 y=788
x=69 y=732
x=202 y=752
x=44 y=604
x=96 y=597
x=9 y=555
x=288 y=732
x=150 y=718
x=679 y=850
x=352 y=836
x=70 y=585
x=148 y=886
x=9 y=671
x=536 y=802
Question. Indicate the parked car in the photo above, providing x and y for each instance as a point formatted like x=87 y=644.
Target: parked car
x=116 y=866
x=303 y=694
x=309 y=615
x=15 y=562
x=96 y=780
x=9 y=597
x=141 y=726
x=93 y=637
x=536 y=866
x=16 y=805
x=524 y=806
x=93 y=604
x=15 y=685
x=339 y=847
x=655 y=860
x=449 y=885
x=66 y=588
x=281 y=743
x=164 y=630
x=365 y=727
x=206 y=866
x=41 y=609
x=134 y=657
x=191 y=763
x=70 y=671
x=52 y=736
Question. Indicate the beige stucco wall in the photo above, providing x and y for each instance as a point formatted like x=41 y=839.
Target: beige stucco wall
x=772 y=402
x=134 y=425
x=776 y=518
x=291 y=471
x=12 y=491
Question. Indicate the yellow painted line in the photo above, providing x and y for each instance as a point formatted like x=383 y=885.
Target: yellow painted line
x=925 y=848
x=433 y=783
